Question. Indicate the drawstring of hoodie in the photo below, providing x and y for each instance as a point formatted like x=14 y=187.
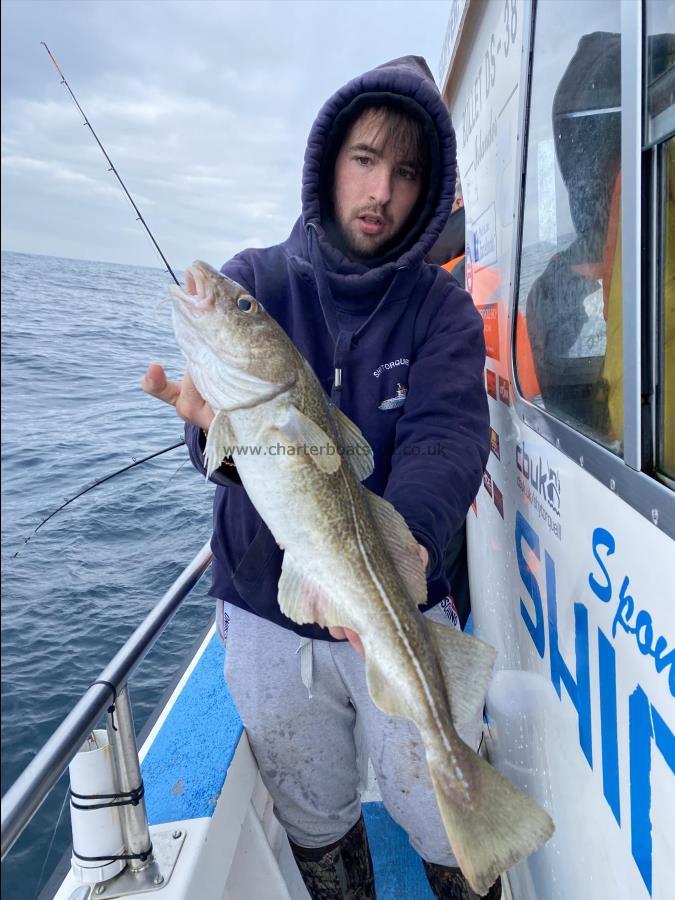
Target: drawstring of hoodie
x=326 y=300
x=394 y=282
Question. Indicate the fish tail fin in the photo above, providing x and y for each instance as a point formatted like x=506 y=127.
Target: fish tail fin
x=490 y=823
x=494 y=824
x=499 y=826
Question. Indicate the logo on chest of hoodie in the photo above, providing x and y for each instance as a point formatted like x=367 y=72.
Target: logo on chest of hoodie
x=398 y=400
x=392 y=364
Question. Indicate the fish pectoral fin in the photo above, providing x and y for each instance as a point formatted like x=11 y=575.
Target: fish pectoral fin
x=401 y=545
x=218 y=441
x=301 y=599
x=353 y=445
x=466 y=664
x=299 y=431
x=500 y=825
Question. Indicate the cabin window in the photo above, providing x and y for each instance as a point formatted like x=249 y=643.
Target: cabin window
x=660 y=70
x=568 y=356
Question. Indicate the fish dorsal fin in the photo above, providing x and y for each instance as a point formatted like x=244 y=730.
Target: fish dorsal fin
x=401 y=545
x=353 y=445
x=298 y=430
x=466 y=663
x=301 y=599
x=218 y=439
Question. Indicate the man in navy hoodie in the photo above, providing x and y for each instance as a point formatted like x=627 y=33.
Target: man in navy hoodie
x=398 y=346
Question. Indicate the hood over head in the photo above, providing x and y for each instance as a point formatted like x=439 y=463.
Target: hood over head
x=408 y=84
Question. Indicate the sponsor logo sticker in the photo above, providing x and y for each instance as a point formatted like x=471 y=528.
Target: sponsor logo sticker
x=498 y=498
x=540 y=485
x=484 y=233
x=494 y=443
x=490 y=314
x=491 y=381
x=504 y=391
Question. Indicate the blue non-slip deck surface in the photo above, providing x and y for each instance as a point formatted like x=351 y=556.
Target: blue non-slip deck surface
x=399 y=874
x=186 y=765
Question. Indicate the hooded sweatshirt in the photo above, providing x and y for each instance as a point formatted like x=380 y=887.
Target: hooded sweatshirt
x=395 y=342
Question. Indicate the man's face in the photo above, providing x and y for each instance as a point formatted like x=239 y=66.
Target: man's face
x=374 y=190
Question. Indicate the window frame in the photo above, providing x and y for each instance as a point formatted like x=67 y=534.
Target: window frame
x=623 y=476
x=659 y=184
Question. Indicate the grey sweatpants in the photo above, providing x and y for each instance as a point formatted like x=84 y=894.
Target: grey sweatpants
x=307 y=749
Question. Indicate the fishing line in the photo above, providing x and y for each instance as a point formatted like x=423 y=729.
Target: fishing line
x=112 y=168
x=171 y=477
x=136 y=462
x=51 y=843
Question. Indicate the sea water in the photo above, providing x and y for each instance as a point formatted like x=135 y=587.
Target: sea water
x=76 y=339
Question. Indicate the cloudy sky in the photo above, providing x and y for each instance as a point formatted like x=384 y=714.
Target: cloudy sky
x=203 y=105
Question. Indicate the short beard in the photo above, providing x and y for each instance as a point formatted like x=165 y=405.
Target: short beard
x=369 y=251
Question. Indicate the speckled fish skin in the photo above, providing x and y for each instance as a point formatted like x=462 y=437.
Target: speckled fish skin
x=349 y=558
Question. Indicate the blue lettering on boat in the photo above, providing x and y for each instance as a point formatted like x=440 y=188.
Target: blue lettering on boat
x=647 y=730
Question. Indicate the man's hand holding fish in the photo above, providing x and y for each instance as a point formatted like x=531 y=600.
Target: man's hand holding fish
x=183 y=395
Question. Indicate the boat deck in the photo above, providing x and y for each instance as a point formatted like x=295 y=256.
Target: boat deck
x=201 y=778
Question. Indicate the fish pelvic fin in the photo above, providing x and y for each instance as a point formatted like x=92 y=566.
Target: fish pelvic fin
x=301 y=599
x=501 y=825
x=382 y=692
x=466 y=664
x=218 y=441
x=401 y=545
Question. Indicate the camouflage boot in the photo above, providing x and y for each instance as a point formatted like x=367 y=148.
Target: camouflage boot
x=449 y=884
x=340 y=871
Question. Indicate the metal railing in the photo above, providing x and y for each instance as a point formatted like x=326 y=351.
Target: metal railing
x=28 y=792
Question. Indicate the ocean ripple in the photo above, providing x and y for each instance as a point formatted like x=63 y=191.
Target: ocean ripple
x=76 y=339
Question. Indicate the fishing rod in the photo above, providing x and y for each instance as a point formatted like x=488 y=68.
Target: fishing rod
x=136 y=462
x=140 y=219
x=112 y=168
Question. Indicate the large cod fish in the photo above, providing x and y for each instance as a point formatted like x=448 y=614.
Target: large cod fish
x=350 y=560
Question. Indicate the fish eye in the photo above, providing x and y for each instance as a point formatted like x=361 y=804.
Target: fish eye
x=245 y=304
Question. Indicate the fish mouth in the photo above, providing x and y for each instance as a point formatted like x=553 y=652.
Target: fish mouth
x=195 y=296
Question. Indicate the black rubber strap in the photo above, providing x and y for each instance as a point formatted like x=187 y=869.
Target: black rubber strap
x=109 y=859
x=111 y=708
x=123 y=798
